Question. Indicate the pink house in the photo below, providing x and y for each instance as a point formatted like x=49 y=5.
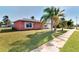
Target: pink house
x=27 y=24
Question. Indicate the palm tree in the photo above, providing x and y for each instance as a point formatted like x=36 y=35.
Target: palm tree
x=56 y=17
x=49 y=13
x=62 y=23
x=70 y=23
x=52 y=13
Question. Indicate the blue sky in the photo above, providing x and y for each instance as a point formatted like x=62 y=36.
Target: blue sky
x=17 y=12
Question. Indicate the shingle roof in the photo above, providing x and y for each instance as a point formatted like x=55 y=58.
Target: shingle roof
x=26 y=19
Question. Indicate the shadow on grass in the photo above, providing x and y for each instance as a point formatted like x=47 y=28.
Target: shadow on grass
x=59 y=32
x=35 y=41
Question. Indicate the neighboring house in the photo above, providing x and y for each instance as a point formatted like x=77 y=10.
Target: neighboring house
x=4 y=26
x=27 y=24
x=47 y=25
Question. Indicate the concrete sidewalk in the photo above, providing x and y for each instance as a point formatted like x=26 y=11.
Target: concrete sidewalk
x=55 y=44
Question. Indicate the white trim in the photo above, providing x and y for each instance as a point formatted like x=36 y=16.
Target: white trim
x=28 y=27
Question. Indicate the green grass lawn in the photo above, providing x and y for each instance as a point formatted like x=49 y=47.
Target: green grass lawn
x=25 y=40
x=72 y=44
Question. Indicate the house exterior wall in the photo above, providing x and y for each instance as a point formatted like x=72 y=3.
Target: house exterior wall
x=37 y=25
x=20 y=25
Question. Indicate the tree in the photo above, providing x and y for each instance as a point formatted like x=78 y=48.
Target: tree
x=52 y=14
x=62 y=23
x=70 y=23
x=32 y=17
x=56 y=17
x=1 y=23
x=49 y=13
x=6 y=20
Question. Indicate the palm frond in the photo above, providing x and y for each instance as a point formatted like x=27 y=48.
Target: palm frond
x=61 y=14
x=47 y=10
x=57 y=10
x=62 y=19
x=44 y=17
x=52 y=8
x=62 y=10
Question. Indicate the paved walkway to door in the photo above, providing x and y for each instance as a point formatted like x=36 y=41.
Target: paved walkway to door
x=55 y=44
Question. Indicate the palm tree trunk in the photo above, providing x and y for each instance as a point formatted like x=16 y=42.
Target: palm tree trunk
x=55 y=28
x=51 y=24
x=62 y=28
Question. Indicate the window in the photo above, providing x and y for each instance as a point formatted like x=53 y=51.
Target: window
x=28 y=25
